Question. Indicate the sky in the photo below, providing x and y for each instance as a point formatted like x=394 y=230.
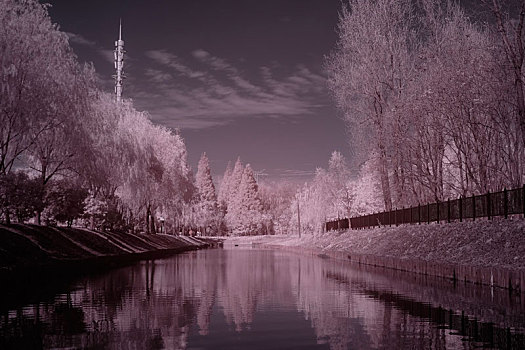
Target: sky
x=236 y=77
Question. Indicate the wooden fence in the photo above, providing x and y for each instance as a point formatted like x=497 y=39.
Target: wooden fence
x=489 y=205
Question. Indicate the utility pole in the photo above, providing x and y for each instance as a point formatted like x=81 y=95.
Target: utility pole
x=298 y=218
x=119 y=64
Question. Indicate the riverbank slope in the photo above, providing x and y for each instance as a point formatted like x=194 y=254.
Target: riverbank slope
x=33 y=247
x=486 y=252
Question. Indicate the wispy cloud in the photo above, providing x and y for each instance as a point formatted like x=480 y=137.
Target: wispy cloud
x=292 y=173
x=205 y=91
x=172 y=61
x=78 y=39
x=158 y=76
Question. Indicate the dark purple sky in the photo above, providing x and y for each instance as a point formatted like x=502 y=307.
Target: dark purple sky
x=238 y=77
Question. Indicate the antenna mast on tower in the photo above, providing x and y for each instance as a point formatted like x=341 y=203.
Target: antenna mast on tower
x=119 y=63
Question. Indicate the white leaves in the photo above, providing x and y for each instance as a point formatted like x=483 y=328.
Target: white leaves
x=204 y=181
x=330 y=195
x=206 y=201
x=244 y=211
x=41 y=84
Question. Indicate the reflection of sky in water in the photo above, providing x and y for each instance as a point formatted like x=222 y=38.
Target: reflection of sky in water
x=263 y=299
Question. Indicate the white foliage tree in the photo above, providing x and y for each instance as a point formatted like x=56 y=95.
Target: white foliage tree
x=276 y=198
x=224 y=189
x=246 y=206
x=440 y=97
x=367 y=189
x=339 y=185
x=206 y=205
x=233 y=184
x=329 y=196
x=368 y=71
x=53 y=120
x=37 y=70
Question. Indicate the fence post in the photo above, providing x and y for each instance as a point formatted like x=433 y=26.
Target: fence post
x=390 y=218
x=474 y=208
x=505 y=203
x=489 y=204
x=428 y=213
x=395 y=216
x=448 y=211
x=419 y=213
x=460 y=208
x=437 y=209
x=411 y=215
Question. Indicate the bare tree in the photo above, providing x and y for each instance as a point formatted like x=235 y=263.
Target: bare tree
x=512 y=35
x=369 y=69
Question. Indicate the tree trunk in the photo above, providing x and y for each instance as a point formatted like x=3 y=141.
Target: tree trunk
x=7 y=216
x=152 y=222
x=148 y=211
x=516 y=55
x=385 y=182
x=383 y=161
x=521 y=102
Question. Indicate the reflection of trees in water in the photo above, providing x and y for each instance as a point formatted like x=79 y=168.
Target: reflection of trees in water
x=140 y=307
x=356 y=308
x=158 y=304
x=41 y=326
x=335 y=313
x=408 y=322
x=251 y=279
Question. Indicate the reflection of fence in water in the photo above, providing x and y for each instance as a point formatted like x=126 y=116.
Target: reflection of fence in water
x=504 y=203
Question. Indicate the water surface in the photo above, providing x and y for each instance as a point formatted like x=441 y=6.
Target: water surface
x=258 y=299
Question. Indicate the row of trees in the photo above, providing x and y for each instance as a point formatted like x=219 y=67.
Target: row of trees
x=240 y=202
x=68 y=150
x=237 y=208
x=438 y=96
x=435 y=103
x=334 y=193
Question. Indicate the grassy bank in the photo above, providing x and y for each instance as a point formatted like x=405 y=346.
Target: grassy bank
x=488 y=252
x=36 y=248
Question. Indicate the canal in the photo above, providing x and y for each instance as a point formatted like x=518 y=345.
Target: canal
x=241 y=298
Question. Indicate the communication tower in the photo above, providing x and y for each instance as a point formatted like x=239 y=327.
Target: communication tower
x=119 y=63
